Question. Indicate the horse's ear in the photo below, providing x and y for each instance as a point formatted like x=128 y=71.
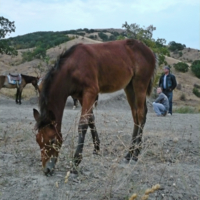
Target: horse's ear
x=52 y=116
x=36 y=114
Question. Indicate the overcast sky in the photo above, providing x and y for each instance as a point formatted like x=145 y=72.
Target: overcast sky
x=175 y=20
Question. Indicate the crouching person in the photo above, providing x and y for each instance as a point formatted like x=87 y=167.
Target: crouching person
x=161 y=104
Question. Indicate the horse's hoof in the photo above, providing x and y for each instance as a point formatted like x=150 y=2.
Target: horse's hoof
x=95 y=152
x=74 y=171
x=129 y=157
x=135 y=158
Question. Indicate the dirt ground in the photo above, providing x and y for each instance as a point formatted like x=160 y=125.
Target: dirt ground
x=169 y=156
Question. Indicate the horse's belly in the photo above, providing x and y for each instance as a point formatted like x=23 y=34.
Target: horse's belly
x=117 y=77
x=113 y=86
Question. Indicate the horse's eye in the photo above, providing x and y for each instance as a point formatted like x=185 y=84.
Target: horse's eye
x=52 y=141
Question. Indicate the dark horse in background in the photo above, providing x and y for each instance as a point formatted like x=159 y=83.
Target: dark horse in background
x=21 y=81
x=83 y=71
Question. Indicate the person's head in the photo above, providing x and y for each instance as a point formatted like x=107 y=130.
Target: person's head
x=166 y=70
x=159 y=90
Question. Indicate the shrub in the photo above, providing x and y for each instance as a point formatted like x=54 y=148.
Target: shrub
x=94 y=37
x=185 y=109
x=197 y=86
x=196 y=92
x=103 y=36
x=179 y=86
x=182 y=97
x=196 y=68
x=181 y=66
x=180 y=53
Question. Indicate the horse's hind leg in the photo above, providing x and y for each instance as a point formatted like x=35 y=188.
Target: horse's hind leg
x=131 y=100
x=137 y=101
x=140 y=88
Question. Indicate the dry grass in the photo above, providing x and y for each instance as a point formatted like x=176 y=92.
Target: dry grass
x=165 y=154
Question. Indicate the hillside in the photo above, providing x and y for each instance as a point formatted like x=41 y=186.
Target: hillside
x=186 y=55
x=14 y=64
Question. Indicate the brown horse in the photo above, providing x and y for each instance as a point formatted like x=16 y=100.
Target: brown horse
x=84 y=71
x=4 y=83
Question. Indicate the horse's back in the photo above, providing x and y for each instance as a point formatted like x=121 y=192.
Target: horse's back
x=121 y=55
x=111 y=65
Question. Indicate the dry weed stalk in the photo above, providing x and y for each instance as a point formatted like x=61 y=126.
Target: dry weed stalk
x=67 y=176
x=147 y=192
x=57 y=184
x=150 y=190
x=134 y=196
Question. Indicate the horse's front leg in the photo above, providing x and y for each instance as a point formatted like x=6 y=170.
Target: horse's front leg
x=82 y=129
x=85 y=120
x=20 y=96
x=17 y=95
x=94 y=133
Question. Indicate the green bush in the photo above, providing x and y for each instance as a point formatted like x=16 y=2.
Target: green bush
x=196 y=68
x=181 y=66
x=180 y=53
x=183 y=97
x=197 y=86
x=103 y=36
x=196 y=92
x=185 y=109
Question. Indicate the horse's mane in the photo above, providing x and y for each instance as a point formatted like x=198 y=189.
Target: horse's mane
x=44 y=118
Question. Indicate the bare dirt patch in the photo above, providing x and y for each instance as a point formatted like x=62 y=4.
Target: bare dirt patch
x=169 y=156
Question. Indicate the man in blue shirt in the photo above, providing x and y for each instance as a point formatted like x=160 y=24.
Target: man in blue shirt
x=168 y=83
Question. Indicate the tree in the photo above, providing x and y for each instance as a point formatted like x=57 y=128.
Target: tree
x=6 y=27
x=136 y=32
x=103 y=36
x=145 y=35
x=120 y=37
x=173 y=46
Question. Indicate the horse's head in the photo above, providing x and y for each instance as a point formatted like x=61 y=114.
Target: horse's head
x=50 y=141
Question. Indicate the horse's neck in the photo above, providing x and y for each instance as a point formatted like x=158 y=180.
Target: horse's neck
x=56 y=103
x=28 y=79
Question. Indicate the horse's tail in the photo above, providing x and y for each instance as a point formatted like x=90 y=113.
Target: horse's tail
x=151 y=83
x=2 y=80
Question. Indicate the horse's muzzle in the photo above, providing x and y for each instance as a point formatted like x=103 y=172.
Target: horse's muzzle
x=50 y=166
